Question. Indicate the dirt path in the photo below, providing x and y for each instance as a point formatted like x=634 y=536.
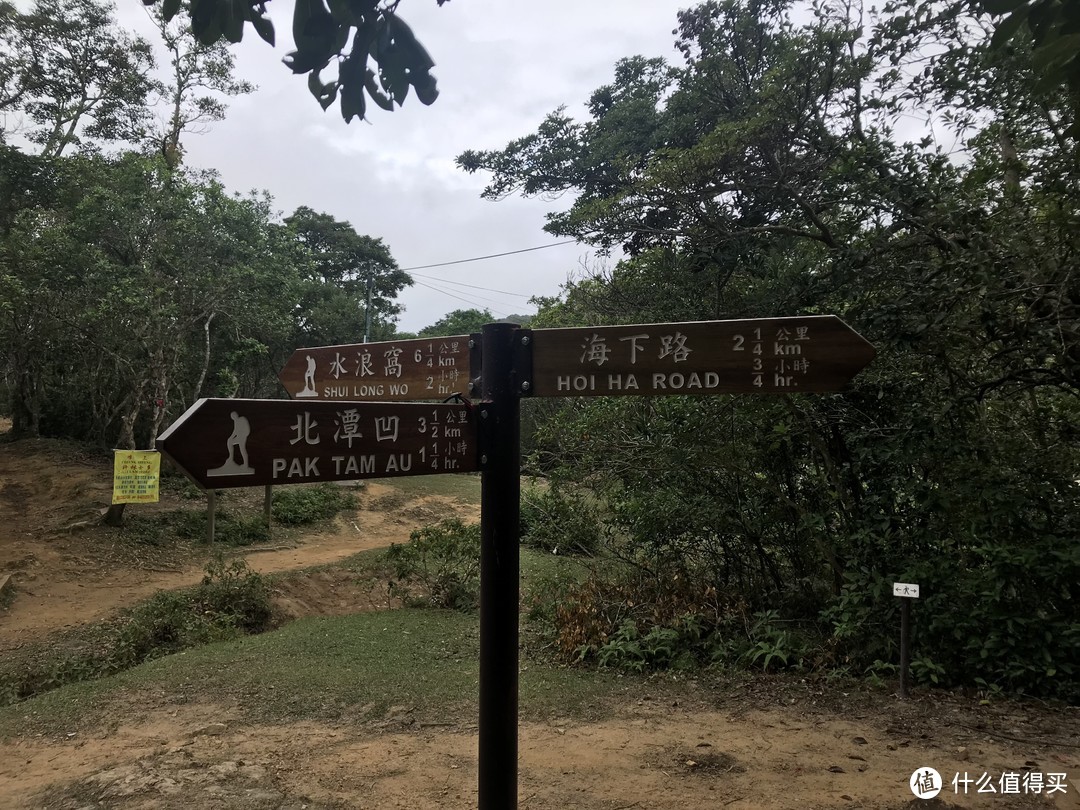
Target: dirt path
x=67 y=577
x=647 y=757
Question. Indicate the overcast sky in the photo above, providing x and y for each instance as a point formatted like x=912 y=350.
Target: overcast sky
x=501 y=66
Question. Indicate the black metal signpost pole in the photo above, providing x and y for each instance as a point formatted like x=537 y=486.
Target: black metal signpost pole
x=499 y=507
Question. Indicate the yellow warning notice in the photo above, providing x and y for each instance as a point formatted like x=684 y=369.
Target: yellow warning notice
x=135 y=476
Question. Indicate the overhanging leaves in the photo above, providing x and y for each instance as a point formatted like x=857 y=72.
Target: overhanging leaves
x=321 y=31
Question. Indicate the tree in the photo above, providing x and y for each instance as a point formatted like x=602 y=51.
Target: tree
x=321 y=35
x=1054 y=32
x=135 y=289
x=17 y=59
x=344 y=271
x=80 y=76
x=458 y=322
x=196 y=68
x=763 y=177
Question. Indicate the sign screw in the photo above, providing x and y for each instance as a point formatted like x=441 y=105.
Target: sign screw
x=483 y=459
x=472 y=344
x=484 y=414
x=526 y=385
x=524 y=340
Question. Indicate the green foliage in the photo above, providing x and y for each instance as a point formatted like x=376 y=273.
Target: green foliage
x=559 y=521
x=439 y=566
x=162 y=529
x=231 y=600
x=458 y=322
x=660 y=648
x=765 y=175
x=336 y=265
x=1055 y=41
x=230 y=529
x=130 y=287
x=74 y=73
x=771 y=645
x=304 y=505
x=321 y=35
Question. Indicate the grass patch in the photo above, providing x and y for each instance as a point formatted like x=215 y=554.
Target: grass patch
x=164 y=528
x=353 y=668
x=230 y=601
x=460 y=486
x=230 y=529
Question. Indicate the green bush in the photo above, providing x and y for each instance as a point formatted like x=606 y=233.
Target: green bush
x=303 y=505
x=230 y=601
x=229 y=529
x=1006 y=620
x=558 y=521
x=772 y=645
x=440 y=565
x=676 y=647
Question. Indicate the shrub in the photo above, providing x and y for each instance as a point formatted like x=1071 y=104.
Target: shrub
x=441 y=562
x=229 y=529
x=304 y=505
x=231 y=600
x=557 y=521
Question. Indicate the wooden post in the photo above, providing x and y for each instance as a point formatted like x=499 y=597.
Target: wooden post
x=268 y=502
x=905 y=647
x=211 y=512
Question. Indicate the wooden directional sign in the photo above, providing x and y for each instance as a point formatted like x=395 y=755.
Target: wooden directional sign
x=222 y=443
x=814 y=353
x=392 y=371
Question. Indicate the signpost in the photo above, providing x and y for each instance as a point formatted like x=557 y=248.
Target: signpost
x=349 y=420
x=809 y=354
x=393 y=371
x=905 y=591
x=223 y=443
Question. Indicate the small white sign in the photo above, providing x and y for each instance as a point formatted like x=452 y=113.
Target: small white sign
x=905 y=589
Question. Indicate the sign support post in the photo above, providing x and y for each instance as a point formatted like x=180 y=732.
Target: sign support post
x=500 y=461
x=905 y=648
x=211 y=515
x=268 y=503
x=905 y=591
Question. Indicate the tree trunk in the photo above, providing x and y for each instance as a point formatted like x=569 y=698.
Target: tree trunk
x=197 y=392
x=114 y=516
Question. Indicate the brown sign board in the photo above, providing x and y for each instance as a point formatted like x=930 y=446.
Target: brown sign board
x=390 y=371
x=809 y=354
x=224 y=443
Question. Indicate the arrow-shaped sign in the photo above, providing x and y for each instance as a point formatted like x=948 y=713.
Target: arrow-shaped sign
x=392 y=371
x=222 y=443
x=809 y=354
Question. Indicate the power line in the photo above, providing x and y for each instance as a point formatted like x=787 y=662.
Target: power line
x=458 y=297
x=471 y=286
x=472 y=296
x=491 y=256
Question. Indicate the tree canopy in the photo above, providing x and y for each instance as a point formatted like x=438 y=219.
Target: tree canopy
x=771 y=172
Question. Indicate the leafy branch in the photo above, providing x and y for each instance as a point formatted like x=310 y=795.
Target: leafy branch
x=383 y=61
